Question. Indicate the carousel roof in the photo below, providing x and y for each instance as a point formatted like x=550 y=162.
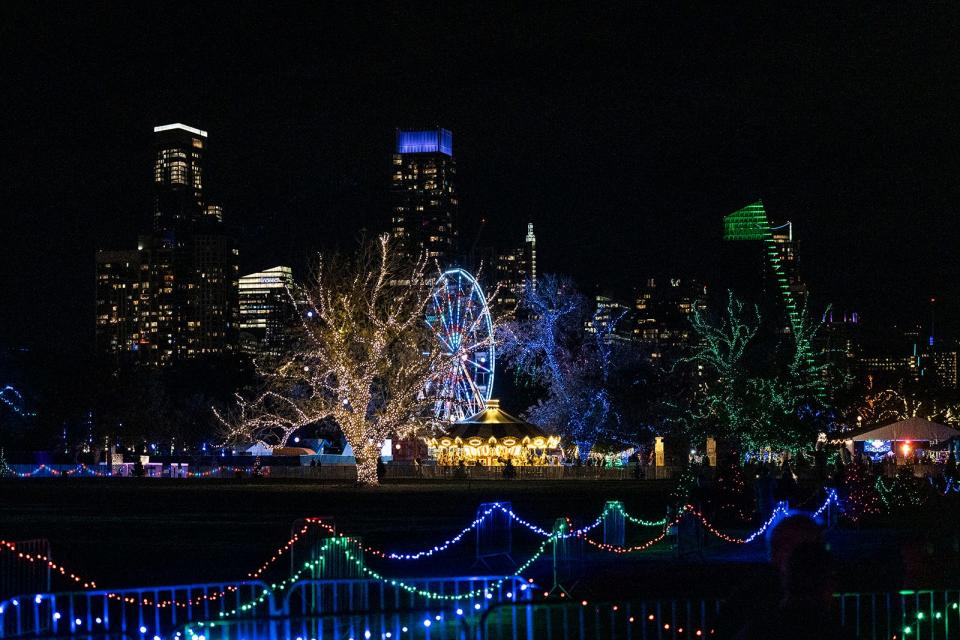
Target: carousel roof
x=493 y=422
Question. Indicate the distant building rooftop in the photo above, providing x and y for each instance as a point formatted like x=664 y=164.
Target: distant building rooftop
x=428 y=141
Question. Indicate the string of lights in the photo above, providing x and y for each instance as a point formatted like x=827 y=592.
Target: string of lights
x=41 y=469
x=11 y=547
x=282 y=550
x=342 y=540
x=13 y=399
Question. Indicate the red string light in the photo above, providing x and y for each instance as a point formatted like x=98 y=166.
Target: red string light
x=37 y=557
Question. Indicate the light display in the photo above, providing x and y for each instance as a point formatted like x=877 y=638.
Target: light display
x=13 y=399
x=862 y=499
x=363 y=358
x=11 y=547
x=876 y=449
x=551 y=347
x=459 y=317
x=779 y=409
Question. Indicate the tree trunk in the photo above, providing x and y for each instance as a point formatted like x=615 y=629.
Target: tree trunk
x=366 y=458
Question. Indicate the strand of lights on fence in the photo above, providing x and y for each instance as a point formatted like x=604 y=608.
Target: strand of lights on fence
x=11 y=547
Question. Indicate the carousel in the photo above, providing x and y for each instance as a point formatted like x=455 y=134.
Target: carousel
x=493 y=436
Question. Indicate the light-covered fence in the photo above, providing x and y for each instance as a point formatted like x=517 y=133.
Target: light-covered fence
x=17 y=576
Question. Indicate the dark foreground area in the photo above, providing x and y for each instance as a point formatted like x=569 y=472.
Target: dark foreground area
x=127 y=532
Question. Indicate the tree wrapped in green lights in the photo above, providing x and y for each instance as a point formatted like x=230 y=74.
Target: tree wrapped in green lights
x=750 y=393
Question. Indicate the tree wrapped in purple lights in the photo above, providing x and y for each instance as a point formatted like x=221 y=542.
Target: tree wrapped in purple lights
x=362 y=357
x=551 y=346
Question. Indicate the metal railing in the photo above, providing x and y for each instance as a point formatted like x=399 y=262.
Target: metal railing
x=156 y=611
x=924 y=615
x=17 y=576
x=147 y=611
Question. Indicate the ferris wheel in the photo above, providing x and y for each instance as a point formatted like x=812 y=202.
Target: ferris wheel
x=460 y=320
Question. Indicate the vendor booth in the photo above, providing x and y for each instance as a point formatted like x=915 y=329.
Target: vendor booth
x=491 y=437
x=899 y=438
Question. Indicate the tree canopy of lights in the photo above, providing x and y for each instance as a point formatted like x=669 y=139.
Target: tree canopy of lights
x=891 y=405
x=560 y=346
x=774 y=398
x=362 y=356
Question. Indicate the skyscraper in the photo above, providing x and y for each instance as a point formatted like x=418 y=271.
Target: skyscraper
x=175 y=296
x=514 y=269
x=760 y=266
x=177 y=176
x=662 y=313
x=266 y=310
x=425 y=197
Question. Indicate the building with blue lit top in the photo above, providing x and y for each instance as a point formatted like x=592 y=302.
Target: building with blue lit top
x=424 y=194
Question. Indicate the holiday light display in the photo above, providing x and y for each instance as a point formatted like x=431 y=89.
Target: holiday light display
x=889 y=405
x=14 y=401
x=11 y=547
x=862 y=499
x=363 y=358
x=780 y=409
x=903 y=491
x=550 y=347
x=346 y=548
x=460 y=319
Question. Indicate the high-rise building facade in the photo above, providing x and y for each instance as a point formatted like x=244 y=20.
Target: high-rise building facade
x=266 y=310
x=177 y=176
x=118 y=298
x=662 y=311
x=760 y=266
x=425 y=196
x=514 y=269
x=182 y=278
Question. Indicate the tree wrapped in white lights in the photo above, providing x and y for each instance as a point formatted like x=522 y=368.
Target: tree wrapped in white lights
x=362 y=357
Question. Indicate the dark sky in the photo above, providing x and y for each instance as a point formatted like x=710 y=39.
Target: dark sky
x=624 y=133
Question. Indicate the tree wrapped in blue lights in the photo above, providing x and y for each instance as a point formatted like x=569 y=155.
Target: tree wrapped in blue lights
x=550 y=345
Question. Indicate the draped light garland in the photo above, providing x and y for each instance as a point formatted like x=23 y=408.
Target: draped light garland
x=339 y=540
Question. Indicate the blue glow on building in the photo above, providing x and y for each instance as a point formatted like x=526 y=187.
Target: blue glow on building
x=431 y=141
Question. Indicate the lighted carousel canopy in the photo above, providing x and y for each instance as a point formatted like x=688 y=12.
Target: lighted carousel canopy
x=493 y=435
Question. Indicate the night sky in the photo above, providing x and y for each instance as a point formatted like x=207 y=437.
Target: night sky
x=624 y=134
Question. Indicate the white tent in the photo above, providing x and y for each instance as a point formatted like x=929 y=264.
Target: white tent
x=910 y=429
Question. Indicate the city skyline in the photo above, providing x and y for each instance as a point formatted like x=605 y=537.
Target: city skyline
x=631 y=163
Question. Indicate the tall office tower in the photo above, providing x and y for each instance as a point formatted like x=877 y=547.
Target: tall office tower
x=183 y=274
x=758 y=267
x=514 y=269
x=177 y=176
x=662 y=313
x=117 y=301
x=266 y=311
x=425 y=198
x=787 y=249
x=530 y=254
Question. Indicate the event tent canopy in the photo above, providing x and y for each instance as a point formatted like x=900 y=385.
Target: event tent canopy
x=909 y=429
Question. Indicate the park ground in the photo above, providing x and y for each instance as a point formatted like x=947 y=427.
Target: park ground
x=133 y=532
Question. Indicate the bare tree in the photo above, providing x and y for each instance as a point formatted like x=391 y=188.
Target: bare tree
x=363 y=356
